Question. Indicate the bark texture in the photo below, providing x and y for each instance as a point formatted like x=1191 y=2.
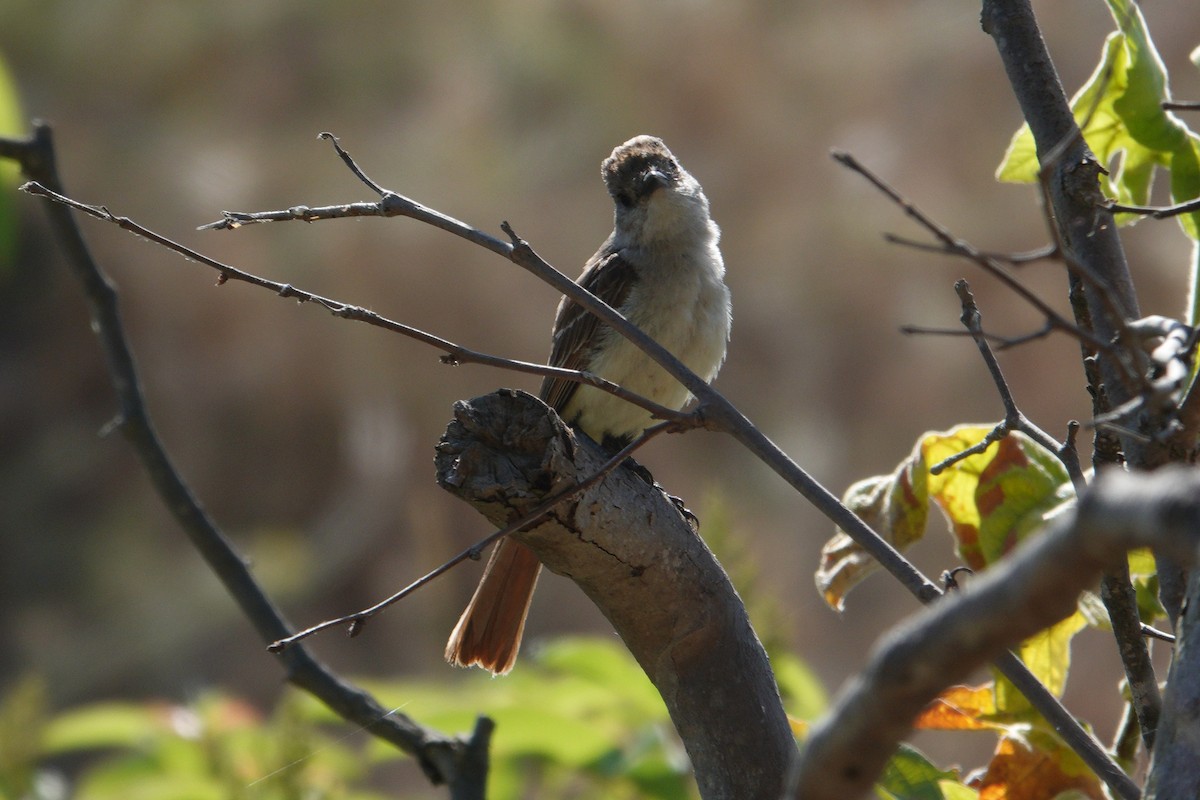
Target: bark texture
x=638 y=557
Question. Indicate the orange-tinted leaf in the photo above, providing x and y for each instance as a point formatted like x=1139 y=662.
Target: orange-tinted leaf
x=1036 y=768
x=960 y=708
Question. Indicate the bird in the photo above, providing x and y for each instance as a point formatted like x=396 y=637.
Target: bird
x=661 y=268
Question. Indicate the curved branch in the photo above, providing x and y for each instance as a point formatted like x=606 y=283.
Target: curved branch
x=638 y=557
x=444 y=759
x=1030 y=591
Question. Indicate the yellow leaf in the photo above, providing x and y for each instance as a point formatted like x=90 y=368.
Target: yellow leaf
x=990 y=499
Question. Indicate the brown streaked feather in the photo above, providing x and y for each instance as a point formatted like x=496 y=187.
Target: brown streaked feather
x=609 y=276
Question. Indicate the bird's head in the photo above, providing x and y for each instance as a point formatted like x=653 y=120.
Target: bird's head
x=656 y=199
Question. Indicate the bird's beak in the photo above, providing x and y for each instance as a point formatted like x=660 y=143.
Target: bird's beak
x=652 y=179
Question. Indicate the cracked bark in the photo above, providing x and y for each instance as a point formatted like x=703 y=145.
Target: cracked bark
x=640 y=560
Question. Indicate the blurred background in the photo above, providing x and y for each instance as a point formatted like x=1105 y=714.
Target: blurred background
x=310 y=439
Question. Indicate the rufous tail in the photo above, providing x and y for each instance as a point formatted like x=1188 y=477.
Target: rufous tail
x=488 y=633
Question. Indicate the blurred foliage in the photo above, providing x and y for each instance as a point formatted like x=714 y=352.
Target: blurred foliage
x=911 y=776
x=578 y=720
x=12 y=123
x=215 y=747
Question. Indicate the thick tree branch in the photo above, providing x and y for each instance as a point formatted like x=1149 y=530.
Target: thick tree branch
x=444 y=759
x=1010 y=602
x=639 y=559
x=1088 y=237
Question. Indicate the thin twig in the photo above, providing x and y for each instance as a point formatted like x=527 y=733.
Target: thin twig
x=1157 y=212
x=1044 y=253
x=359 y=618
x=455 y=354
x=392 y=204
x=953 y=245
x=1014 y=418
x=1155 y=633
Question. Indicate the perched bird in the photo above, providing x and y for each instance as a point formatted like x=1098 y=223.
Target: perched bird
x=661 y=268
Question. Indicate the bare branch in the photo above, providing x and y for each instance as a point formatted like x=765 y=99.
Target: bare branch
x=952 y=245
x=1155 y=633
x=454 y=354
x=1045 y=253
x=1014 y=418
x=440 y=756
x=1157 y=212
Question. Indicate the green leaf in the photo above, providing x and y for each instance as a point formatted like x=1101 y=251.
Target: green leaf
x=1048 y=654
x=578 y=711
x=954 y=790
x=802 y=691
x=1185 y=181
x=1120 y=111
x=533 y=731
x=1093 y=108
x=1143 y=572
x=912 y=776
x=22 y=721
x=105 y=725
x=11 y=124
x=608 y=666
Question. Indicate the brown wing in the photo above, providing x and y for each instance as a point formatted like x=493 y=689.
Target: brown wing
x=608 y=276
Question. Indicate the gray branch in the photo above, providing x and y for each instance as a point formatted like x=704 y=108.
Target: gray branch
x=638 y=557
